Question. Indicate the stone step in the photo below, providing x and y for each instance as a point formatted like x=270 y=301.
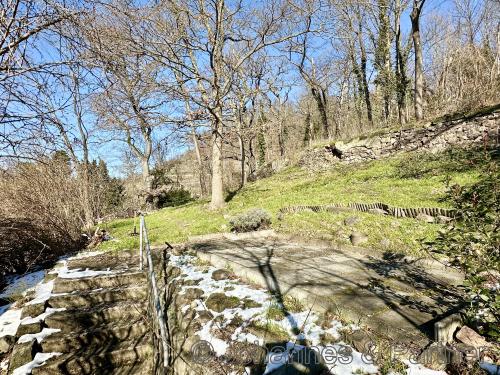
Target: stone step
x=103 y=336
x=85 y=299
x=89 y=283
x=107 y=360
x=78 y=320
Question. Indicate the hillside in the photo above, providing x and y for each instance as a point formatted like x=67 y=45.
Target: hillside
x=409 y=180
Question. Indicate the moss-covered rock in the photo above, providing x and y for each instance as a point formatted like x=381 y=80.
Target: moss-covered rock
x=220 y=302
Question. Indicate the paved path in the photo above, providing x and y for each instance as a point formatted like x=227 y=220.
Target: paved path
x=395 y=297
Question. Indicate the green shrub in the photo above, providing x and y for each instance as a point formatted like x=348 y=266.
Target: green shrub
x=472 y=243
x=253 y=219
x=174 y=198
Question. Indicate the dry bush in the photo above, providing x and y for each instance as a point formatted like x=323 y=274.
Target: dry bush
x=40 y=216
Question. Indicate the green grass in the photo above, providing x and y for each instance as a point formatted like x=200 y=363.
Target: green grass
x=413 y=180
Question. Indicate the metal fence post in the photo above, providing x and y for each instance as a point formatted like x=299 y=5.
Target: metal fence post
x=157 y=306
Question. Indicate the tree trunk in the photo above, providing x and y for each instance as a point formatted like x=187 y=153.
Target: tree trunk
x=87 y=202
x=201 y=174
x=217 y=201
x=242 y=161
x=401 y=79
x=417 y=45
x=147 y=181
x=321 y=101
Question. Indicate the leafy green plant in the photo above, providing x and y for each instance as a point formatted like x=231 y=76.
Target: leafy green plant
x=253 y=219
x=472 y=243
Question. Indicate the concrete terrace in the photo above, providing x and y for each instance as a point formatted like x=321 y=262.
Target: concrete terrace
x=396 y=297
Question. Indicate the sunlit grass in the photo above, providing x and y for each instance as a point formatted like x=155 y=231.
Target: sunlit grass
x=403 y=181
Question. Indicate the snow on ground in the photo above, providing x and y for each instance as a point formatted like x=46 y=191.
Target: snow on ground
x=42 y=292
x=9 y=321
x=39 y=360
x=19 y=285
x=344 y=361
x=418 y=369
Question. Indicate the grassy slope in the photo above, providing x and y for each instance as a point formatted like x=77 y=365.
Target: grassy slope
x=405 y=181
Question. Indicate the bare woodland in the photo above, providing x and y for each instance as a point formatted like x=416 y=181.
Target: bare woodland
x=241 y=85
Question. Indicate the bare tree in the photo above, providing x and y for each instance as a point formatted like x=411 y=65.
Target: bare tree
x=207 y=42
x=419 y=59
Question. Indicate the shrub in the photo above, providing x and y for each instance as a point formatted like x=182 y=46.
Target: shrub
x=472 y=243
x=253 y=219
x=175 y=197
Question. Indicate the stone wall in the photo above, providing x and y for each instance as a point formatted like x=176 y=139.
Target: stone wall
x=433 y=137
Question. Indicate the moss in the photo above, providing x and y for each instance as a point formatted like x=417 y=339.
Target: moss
x=271 y=332
x=220 y=302
x=250 y=304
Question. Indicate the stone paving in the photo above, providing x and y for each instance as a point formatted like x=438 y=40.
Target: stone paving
x=397 y=297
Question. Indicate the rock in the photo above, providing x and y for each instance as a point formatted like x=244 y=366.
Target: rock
x=25 y=329
x=178 y=250
x=443 y=219
x=220 y=302
x=358 y=238
x=221 y=274
x=377 y=211
x=351 y=220
x=22 y=354
x=193 y=293
x=173 y=271
x=33 y=310
x=444 y=330
x=204 y=316
x=191 y=282
x=470 y=337
x=250 y=303
x=385 y=243
x=425 y=218
x=6 y=343
x=360 y=341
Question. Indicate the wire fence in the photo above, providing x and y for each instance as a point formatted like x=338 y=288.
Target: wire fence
x=156 y=305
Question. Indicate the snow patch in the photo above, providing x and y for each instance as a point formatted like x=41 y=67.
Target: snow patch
x=20 y=285
x=39 y=360
x=40 y=336
x=9 y=322
x=418 y=369
x=41 y=317
x=43 y=292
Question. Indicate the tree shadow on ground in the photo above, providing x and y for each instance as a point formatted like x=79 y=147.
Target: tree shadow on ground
x=438 y=299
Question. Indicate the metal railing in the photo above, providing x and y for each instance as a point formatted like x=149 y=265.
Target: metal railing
x=155 y=308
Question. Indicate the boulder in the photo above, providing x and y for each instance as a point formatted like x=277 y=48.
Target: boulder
x=22 y=354
x=31 y=310
x=193 y=293
x=6 y=343
x=470 y=337
x=220 y=302
x=24 y=329
x=425 y=218
x=358 y=238
x=221 y=274
x=443 y=219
